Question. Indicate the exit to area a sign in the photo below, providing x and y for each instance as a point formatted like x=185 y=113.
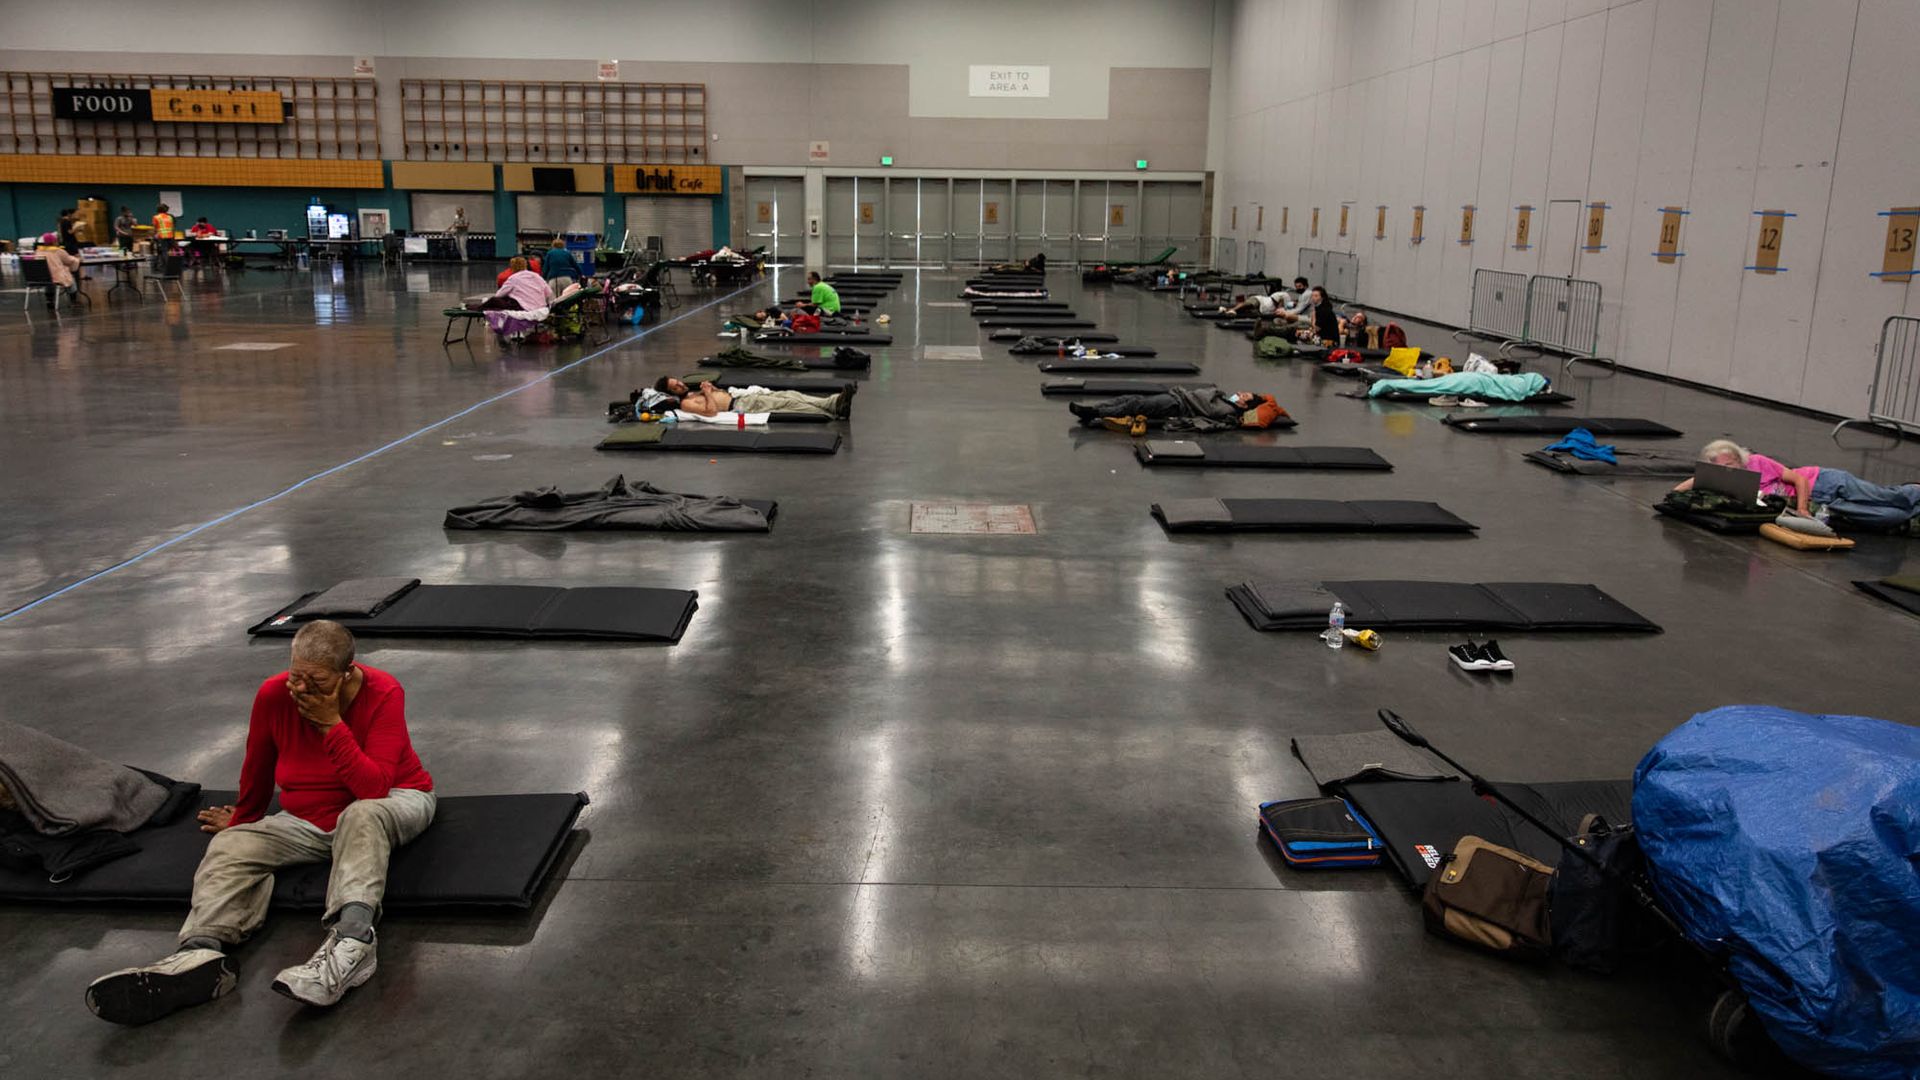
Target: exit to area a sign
x=1009 y=80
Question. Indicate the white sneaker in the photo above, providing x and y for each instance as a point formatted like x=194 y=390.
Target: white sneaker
x=337 y=966
x=138 y=995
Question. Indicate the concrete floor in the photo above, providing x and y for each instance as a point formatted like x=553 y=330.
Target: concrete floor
x=898 y=805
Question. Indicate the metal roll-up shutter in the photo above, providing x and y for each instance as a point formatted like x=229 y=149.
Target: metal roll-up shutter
x=684 y=223
x=561 y=213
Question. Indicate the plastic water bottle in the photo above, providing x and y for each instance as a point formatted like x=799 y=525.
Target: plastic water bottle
x=1336 y=635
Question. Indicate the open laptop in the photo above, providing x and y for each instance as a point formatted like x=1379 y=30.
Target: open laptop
x=1742 y=484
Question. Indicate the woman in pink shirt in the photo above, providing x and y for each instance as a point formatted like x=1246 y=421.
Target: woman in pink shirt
x=1860 y=501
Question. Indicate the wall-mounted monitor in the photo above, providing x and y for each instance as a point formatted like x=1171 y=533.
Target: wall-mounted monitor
x=553 y=181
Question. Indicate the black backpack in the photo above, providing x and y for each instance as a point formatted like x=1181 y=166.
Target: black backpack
x=1596 y=920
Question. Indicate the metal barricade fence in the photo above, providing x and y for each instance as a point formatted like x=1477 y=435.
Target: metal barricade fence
x=1343 y=276
x=1563 y=314
x=1894 y=399
x=1499 y=308
x=1256 y=257
x=1226 y=253
x=1313 y=265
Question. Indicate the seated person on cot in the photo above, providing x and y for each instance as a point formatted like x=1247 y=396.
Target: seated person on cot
x=1839 y=491
x=522 y=289
x=824 y=299
x=332 y=735
x=1323 y=325
x=1194 y=408
x=710 y=400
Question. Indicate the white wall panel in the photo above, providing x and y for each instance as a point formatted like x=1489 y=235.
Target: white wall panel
x=1807 y=85
x=1533 y=140
x=1726 y=154
x=1493 y=226
x=1877 y=166
x=1650 y=297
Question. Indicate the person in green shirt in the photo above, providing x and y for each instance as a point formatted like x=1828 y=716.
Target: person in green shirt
x=825 y=299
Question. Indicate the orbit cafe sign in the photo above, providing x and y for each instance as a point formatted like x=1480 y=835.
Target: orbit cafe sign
x=168 y=106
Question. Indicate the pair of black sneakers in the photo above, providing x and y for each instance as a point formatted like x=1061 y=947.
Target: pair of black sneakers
x=1485 y=656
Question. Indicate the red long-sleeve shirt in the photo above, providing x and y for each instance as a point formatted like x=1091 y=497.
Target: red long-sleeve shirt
x=364 y=756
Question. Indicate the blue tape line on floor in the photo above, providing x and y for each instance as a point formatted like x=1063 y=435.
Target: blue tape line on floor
x=324 y=473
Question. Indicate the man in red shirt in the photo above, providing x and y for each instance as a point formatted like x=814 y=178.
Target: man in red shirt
x=332 y=735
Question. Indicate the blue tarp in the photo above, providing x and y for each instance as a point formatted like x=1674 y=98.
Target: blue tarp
x=1791 y=844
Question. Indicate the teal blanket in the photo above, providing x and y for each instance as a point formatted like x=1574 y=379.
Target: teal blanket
x=1473 y=384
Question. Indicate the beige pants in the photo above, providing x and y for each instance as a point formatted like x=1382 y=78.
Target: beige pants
x=786 y=401
x=235 y=880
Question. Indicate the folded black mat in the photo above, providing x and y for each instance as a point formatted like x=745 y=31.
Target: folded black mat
x=1307 y=515
x=1125 y=363
x=1109 y=387
x=1378 y=754
x=1129 y=351
x=1901 y=592
x=605 y=613
x=617 y=504
x=1422 y=821
x=1435 y=605
x=706 y=438
x=823 y=339
x=1559 y=425
x=1628 y=463
x=1216 y=453
x=481 y=851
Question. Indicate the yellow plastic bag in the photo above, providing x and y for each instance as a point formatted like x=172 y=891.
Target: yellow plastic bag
x=1402 y=361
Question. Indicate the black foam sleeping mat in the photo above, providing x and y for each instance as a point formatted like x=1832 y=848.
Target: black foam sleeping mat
x=1628 y=463
x=703 y=438
x=823 y=339
x=1220 y=454
x=1435 y=605
x=1559 y=425
x=1105 y=347
x=1307 y=515
x=1018 y=304
x=1130 y=364
x=1422 y=821
x=482 y=851
x=1038 y=322
x=1902 y=592
x=598 y=613
x=1109 y=387
x=1093 y=337
x=1544 y=397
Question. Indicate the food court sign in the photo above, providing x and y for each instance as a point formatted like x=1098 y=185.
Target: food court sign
x=1009 y=80
x=168 y=106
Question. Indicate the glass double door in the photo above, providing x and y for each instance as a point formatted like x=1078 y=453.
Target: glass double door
x=896 y=220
